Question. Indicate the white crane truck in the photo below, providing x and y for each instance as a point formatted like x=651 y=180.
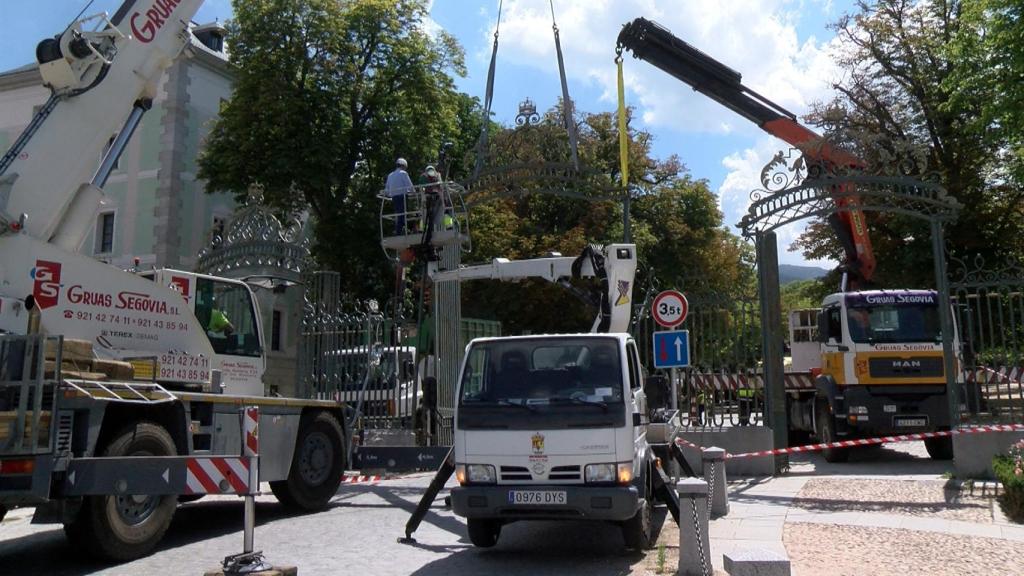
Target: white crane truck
x=564 y=426
x=108 y=455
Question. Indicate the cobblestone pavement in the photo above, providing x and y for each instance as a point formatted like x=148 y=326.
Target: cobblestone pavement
x=356 y=535
x=842 y=550
x=930 y=498
x=887 y=511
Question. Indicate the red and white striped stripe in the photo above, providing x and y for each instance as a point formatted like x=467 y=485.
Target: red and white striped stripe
x=731 y=381
x=251 y=429
x=346 y=479
x=1001 y=375
x=870 y=441
x=217 y=475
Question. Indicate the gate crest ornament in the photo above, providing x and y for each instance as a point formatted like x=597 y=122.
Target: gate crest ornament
x=256 y=246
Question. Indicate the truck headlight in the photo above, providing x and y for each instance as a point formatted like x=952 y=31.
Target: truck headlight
x=599 y=473
x=480 y=474
x=625 y=472
x=858 y=410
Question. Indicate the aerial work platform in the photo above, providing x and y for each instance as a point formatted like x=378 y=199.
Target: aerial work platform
x=431 y=214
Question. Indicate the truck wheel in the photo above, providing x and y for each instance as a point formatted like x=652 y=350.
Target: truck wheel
x=483 y=532
x=827 y=434
x=317 y=465
x=124 y=528
x=939 y=448
x=637 y=530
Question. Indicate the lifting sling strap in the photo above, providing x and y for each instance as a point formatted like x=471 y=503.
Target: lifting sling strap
x=567 y=106
x=481 y=144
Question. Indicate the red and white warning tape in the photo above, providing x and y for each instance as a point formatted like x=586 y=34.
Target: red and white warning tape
x=357 y=479
x=869 y=441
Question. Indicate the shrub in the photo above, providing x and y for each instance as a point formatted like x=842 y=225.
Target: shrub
x=1009 y=471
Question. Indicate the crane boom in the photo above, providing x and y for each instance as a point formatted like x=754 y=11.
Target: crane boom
x=103 y=75
x=613 y=265
x=653 y=43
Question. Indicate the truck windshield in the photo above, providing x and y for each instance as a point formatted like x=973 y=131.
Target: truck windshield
x=570 y=374
x=894 y=323
x=226 y=312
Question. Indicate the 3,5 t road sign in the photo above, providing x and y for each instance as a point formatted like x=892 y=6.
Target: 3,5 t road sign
x=669 y=308
x=672 y=349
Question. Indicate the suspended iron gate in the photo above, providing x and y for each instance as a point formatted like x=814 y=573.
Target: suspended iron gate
x=350 y=353
x=988 y=304
x=722 y=386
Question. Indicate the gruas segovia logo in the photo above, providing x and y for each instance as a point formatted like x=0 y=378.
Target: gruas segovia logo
x=46 y=288
x=146 y=24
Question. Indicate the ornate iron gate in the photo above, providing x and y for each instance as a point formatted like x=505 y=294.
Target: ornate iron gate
x=989 y=307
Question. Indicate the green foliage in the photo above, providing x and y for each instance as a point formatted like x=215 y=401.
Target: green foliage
x=921 y=72
x=676 y=225
x=660 y=567
x=991 y=41
x=1009 y=471
x=327 y=94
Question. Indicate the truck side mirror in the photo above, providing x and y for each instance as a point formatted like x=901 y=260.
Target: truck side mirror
x=656 y=388
x=823 y=327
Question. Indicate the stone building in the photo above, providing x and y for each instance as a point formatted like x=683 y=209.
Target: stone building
x=159 y=210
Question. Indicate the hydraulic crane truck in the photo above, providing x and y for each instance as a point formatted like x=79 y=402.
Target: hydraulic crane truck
x=880 y=368
x=120 y=392
x=560 y=426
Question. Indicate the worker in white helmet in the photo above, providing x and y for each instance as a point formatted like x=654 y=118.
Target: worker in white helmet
x=397 y=186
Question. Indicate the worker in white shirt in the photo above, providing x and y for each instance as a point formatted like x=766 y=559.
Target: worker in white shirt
x=397 y=186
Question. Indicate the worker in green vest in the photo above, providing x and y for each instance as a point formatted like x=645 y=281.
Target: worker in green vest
x=219 y=323
x=701 y=404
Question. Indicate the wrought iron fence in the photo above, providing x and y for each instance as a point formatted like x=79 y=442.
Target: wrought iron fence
x=988 y=303
x=723 y=386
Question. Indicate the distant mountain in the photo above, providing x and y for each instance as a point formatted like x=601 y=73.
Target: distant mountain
x=789 y=273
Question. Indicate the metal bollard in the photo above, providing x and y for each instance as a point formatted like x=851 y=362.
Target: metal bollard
x=714 y=472
x=694 y=543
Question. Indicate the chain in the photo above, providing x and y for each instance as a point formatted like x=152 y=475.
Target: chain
x=711 y=487
x=700 y=540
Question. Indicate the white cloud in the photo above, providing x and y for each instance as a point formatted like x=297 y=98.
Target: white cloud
x=734 y=195
x=757 y=38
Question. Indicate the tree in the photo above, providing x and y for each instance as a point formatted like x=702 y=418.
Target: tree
x=327 y=94
x=900 y=64
x=992 y=42
x=676 y=224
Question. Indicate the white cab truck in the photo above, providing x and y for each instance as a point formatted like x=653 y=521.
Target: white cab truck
x=553 y=428
x=116 y=388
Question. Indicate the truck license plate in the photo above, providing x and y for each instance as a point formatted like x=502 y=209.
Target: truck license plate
x=911 y=422
x=536 y=497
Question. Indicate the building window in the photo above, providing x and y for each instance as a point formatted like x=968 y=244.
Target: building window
x=105 y=233
x=275 y=331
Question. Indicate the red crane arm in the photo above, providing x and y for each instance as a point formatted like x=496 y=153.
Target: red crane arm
x=653 y=43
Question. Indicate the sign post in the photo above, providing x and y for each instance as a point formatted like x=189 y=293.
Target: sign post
x=669 y=310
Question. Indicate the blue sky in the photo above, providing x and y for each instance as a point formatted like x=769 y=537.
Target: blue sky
x=780 y=46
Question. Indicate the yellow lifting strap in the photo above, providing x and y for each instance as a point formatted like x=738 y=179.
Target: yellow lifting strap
x=623 y=131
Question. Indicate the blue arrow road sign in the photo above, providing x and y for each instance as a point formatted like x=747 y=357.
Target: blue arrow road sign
x=672 y=349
